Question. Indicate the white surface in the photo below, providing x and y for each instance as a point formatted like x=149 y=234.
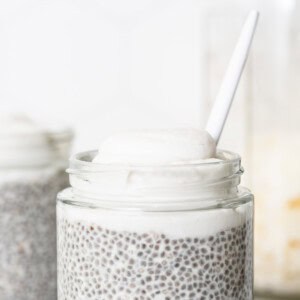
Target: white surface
x=232 y=77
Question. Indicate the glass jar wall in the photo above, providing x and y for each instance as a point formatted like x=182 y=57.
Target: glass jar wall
x=145 y=233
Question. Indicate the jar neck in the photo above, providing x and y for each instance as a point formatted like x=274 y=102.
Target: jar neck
x=194 y=184
x=39 y=149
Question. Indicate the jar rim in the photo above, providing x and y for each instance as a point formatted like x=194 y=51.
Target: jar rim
x=156 y=185
x=44 y=146
x=61 y=133
x=83 y=161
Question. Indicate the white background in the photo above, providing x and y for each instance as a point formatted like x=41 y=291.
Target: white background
x=108 y=65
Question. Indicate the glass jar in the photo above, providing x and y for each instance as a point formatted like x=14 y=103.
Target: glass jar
x=275 y=143
x=125 y=232
x=31 y=174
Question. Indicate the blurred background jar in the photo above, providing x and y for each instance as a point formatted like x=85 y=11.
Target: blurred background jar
x=33 y=159
x=276 y=142
x=265 y=128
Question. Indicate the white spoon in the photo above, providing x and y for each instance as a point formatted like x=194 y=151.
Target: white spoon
x=232 y=77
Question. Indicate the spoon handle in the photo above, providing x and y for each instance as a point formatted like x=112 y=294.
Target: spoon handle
x=232 y=77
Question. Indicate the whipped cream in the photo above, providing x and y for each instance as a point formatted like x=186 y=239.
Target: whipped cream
x=168 y=164
x=24 y=143
x=152 y=147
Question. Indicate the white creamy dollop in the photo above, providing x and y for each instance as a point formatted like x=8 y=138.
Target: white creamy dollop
x=169 y=164
x=24 y=143
x=167 y=175
x=153 y=147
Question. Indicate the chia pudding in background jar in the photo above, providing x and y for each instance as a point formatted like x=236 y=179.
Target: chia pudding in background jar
x=155 y=214
x=32 y=163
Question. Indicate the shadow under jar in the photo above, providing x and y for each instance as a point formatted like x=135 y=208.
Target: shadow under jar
x=32 y=173
x=155 y=232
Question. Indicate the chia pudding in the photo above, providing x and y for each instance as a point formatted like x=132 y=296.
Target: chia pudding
x=32 y=163
x=173 y=231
